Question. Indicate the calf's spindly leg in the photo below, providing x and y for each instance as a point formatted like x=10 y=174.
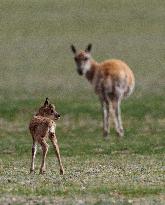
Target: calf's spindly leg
x=53 y=139
x=44 y=147
x=34 y=150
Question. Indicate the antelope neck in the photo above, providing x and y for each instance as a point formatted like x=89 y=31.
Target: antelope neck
x=91 y=73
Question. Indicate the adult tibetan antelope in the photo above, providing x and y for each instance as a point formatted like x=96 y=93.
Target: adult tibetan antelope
x=112 y=80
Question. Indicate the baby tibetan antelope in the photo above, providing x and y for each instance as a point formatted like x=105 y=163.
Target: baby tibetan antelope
x=112 y=80
x=42 y=127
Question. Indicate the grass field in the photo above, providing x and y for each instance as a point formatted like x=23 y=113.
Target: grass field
x=36 y=62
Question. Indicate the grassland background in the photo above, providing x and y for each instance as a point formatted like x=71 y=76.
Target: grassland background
x=36 y=62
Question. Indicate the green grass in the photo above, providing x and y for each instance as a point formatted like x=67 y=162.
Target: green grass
x=36 y=62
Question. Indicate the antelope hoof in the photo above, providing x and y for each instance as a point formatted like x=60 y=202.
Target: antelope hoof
x=42 y=171
x=32 y=171
x=62 y=171
x=105 y=135
x=120 y=133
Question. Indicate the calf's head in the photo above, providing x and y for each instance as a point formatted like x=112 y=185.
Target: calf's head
x=48 y=110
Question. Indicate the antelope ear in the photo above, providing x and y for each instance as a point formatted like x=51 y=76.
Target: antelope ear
x=46 y=103
x=88 y=48
x=73 y=49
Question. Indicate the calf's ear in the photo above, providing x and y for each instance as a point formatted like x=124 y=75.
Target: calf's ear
x=46 y=103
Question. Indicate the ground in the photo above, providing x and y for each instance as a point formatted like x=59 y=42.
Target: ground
x=36 y=62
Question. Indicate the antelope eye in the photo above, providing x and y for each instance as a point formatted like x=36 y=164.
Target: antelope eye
x=85 y=59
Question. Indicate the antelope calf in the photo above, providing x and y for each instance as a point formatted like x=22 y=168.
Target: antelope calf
x=112 y=80
x=42 y=126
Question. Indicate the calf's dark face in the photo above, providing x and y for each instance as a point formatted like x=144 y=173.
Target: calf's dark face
x=49 y=111
x=52 y=113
